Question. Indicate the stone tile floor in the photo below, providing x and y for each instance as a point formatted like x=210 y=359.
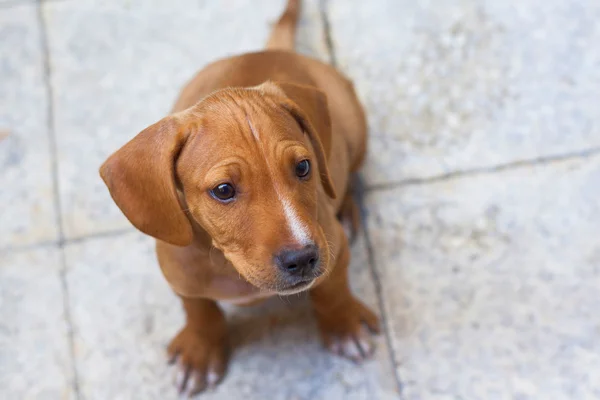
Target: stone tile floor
x=481 y=247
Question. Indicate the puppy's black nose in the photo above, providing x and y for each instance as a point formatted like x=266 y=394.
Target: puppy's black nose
x=298 y=263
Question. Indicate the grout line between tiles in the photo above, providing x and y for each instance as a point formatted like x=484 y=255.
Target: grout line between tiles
x=359 y=193
x=56 y=189
x=100 y=235
x=28 y=247
x=50 y=122
x=323 y=4
x=66 y=242
x=327 y=32
x=490 y=170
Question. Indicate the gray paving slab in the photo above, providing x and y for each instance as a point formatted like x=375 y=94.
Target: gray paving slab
x=118 y=66
x=124 y=315
x=26 y=198
x=10 y=3
x=491 y=283
x=453 y=85
x=35 y=360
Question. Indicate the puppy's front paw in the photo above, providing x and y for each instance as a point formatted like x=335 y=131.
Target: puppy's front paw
x=343 y=330
x=201 y=360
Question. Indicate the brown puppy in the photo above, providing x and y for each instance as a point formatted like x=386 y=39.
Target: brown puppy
x=241 y=186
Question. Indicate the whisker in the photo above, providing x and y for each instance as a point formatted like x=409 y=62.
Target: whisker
x=330 y=248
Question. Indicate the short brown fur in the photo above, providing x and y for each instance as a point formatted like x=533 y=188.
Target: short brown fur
x=248 y=120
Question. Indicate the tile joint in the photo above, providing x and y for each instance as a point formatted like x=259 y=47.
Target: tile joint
x=323 y=6
x=67 y=241
x=47 y=71
x=489 y=170
x=359 y=192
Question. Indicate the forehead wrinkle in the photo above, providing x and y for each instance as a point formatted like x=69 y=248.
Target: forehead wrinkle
x=282 y=145
x=234 y=113
x=232 y=161
x=229 y=168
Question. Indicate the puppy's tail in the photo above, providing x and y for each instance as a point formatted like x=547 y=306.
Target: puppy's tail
x=283 y=34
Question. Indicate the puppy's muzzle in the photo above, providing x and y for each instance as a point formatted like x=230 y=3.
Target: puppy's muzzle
x=298 y=266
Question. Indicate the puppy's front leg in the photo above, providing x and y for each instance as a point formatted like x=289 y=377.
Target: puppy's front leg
x=201 y=347
x=340 y=315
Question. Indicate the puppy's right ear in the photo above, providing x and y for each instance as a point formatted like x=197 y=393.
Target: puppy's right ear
x=141 y=179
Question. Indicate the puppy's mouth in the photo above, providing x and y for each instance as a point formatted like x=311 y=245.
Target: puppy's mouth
x=296 y=287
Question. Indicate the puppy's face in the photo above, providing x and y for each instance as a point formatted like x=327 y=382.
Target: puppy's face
x=250 y=178
x=249 y=170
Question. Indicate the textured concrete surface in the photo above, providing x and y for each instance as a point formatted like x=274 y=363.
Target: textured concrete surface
x=456 y=85
x=481 y=208
x=25 y=159
x=35 y=358
x=491 y=282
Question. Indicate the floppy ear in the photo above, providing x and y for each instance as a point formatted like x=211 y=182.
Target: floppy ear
x=309 y=107
x=141 y=179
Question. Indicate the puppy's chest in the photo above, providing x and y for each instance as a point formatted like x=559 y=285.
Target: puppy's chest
x=236 y=291
x=249 y=300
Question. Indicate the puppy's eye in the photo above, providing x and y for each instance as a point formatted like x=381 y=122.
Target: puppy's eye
x=303 y=169
x=223 y=192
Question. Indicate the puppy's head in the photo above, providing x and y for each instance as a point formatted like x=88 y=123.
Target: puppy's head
x=247 y=166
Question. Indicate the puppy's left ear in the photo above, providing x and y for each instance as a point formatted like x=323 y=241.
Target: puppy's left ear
x=308 y=105
x=141 y=179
